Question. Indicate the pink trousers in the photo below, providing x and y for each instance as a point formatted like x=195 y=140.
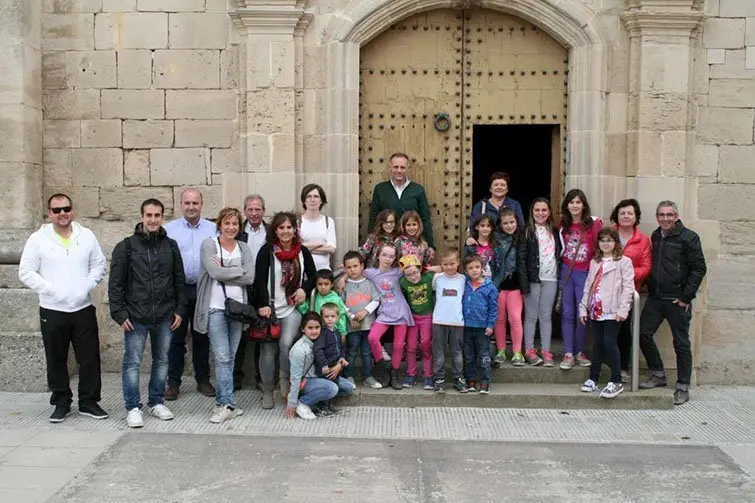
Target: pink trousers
x=421 y=333
x=509 y=309
x=399 y=340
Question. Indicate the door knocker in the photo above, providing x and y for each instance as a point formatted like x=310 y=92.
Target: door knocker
x=442 y=122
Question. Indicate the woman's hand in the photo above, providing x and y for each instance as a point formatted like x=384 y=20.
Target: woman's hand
x=290 y=412
x=265 y=312
x=216 y=260
x=299 y=296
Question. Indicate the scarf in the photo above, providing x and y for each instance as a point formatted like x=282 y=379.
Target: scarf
x=506 y=243
x=290 y=269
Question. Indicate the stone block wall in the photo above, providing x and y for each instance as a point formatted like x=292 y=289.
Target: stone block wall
x=724 y=164
x=140 y=100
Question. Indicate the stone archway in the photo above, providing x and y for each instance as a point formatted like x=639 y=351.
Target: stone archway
x=570 y=22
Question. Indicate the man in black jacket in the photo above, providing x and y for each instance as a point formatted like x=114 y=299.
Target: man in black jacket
x=147 y=296
x=678 y=268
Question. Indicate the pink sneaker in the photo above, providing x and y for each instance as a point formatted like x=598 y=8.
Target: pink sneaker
x=531 y=356
x=568 y=362
x=582 y=360
x=547 y=359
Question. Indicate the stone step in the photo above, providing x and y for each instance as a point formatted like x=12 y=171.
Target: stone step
x=518 y=396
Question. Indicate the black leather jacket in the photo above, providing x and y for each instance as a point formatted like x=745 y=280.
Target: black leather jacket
x=147 y=278
x=678 y=264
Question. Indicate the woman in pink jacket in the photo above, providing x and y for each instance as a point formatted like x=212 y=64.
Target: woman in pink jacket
x=606 y=301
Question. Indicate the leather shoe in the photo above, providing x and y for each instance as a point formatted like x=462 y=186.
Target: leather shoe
x=206 y=389
x=171 y=393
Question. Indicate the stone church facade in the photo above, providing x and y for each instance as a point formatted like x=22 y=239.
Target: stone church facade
x=115 y=101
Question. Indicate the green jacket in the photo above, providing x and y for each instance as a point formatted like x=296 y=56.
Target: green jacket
x=412 y=198
x=317 y=301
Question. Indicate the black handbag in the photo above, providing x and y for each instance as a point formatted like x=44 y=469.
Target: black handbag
x=235 y=310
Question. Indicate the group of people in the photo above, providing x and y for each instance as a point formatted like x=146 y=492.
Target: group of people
x=169 y=280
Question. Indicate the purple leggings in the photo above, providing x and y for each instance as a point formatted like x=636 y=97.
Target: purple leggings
x=572 y=296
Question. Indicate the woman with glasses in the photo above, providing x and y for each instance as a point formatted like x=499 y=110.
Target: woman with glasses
x=317 y=231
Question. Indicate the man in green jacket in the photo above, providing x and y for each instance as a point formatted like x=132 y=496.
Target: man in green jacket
x=401 y=194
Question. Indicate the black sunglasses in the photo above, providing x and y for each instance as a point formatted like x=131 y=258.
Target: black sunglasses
x=64 y=209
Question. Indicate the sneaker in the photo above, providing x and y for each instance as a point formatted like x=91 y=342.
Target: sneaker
x=547 y=359
x=408 y=382
x=351 y=380
x=224 y=413
x=500 y=357
x=92 y=410
x=371 y=382
x=304 y=412
x=206 y=389
x=611 y=390
x=589 y=386
x=460 y=385
x=472 y=386
x=518 y=359
x=322 y=411
x=134 y=418
x=331 y=408
x=429 y=385
x=484 y=388
x=60 y=413
x=395 y=382
x=382 y=373
x=386 y=356
x=653 y=382
x=625 y=376
x=439 y=386
x=171 y=392
x=681 y=396
x=582 y=360
x=568 y=362
x=161 y=412
x=532 y=358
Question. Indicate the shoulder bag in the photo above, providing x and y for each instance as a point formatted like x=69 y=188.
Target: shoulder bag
x=235 y=310
x=559 y=304
x=267 y=329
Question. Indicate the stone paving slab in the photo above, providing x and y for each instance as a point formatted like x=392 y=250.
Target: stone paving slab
x=200 y=468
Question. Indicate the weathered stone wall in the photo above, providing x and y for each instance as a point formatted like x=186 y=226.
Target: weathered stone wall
x=140 y=100
x=724 y=164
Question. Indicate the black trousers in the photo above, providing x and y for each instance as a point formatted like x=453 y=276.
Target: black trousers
x=200 y=349
x=655 y=311
x=79 y=329
x=238 y=364
x=605 y=349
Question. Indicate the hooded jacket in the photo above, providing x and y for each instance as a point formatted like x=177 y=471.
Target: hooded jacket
x=147 y=278
x=63 y=277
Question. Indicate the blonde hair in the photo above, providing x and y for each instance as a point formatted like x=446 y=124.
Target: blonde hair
x=226 y=212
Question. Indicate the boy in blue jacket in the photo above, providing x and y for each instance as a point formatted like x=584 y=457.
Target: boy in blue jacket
x=480 y=304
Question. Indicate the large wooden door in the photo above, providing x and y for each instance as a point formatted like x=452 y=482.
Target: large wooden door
x=472 y=67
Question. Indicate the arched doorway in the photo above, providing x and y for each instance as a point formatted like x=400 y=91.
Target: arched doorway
x=500 y=82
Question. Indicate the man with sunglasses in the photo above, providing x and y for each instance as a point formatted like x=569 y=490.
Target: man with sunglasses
x=678 y=268
x=63 y=263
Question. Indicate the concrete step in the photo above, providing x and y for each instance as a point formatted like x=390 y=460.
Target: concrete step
x=518 y=396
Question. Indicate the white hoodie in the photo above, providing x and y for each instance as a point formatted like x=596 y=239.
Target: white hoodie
x=63 y=277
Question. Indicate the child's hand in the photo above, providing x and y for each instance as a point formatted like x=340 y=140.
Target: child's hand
x=290 y=412
x=340 y=283
x=583 y=320
x=332 y=374
x=488 y=332
x=355 y=324
x=361 y=314
x=342 y=362
x=620 y=317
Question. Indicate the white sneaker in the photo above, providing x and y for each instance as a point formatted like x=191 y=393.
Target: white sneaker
x=224 y=413
x=134 y=418
x=304 y=412
x=371 y=382
x=589 y=386
x=611 y=390
x=351 y=380
x=160 y=411
x=386 y=356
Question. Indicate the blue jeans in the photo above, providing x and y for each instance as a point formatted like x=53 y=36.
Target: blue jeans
x=319 y=389
x=357 y=343
x=160 y=336
x=476 y=355
x=224 y=337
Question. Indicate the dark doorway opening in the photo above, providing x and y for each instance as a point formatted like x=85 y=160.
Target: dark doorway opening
x=525 y=152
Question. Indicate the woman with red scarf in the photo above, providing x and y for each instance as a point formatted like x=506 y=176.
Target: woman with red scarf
x=293 y=280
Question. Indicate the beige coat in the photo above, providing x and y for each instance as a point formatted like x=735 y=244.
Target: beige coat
x=617 y=287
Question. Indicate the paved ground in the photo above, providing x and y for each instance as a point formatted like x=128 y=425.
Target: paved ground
x=703 y=451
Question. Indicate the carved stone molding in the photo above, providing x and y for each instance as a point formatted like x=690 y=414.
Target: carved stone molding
x=674 y=24
x=271 y=17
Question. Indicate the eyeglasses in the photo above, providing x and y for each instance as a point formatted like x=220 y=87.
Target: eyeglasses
x=665 y=215
x=64 y=209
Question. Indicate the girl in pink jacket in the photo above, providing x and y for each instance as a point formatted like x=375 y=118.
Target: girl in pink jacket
x=606 y=301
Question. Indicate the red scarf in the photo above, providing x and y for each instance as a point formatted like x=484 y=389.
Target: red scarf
x=290 y=268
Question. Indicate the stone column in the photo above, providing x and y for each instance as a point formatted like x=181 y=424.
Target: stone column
x=661 y=122
x=269 y=32
x=20 y=114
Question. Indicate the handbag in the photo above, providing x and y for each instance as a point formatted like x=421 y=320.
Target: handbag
x=559 y=304
x=267 y=329
x=303 y=381
x=235 y=310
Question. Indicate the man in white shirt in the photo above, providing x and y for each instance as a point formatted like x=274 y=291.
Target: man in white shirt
x=254 y=234
x=63 y=263
x=189 y=231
